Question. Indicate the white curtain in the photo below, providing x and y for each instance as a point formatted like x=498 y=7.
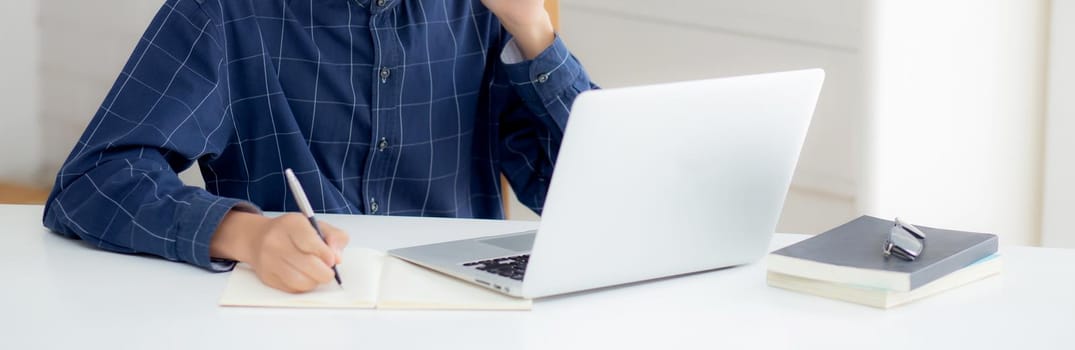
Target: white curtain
x=1058 y=224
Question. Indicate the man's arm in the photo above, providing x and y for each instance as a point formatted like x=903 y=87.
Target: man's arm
x=533 y=93
x=119 y=191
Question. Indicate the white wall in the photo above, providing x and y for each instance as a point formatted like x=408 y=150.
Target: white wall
x=631 y=42
x=1058 y=229
x=955 y=118
x=20 y=138
x=84 y=46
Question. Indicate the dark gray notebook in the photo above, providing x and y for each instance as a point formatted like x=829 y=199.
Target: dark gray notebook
x=857 y=244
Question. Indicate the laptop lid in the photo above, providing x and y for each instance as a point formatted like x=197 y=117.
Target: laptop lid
x=670 y=179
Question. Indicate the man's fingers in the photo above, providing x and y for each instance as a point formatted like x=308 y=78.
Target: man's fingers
x=296 y=281
x=273 y=280
x=312 y=267
x=291 y=256
x=308 y=242
x=337 y=240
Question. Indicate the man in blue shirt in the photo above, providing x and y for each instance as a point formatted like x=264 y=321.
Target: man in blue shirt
x=382 y=107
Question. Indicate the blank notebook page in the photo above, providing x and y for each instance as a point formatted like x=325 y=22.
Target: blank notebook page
x=408 y=286
x=360 y=272
x=372 y=279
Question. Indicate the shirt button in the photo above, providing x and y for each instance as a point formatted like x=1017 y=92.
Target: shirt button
x=385 y=73
x=382 y=145
x=381 y=2
x=543 y=77
x=373 y=206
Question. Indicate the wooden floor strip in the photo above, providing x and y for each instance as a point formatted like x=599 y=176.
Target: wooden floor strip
x=14 y=194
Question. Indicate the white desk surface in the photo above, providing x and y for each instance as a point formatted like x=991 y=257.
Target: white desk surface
x=60 y=293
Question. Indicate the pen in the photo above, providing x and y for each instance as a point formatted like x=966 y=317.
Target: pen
x=304 y=206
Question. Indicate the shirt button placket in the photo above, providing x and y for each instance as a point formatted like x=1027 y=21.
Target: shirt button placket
x=386 y=96
x=382 y=144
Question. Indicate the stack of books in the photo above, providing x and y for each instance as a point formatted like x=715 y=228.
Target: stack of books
x=847 y=263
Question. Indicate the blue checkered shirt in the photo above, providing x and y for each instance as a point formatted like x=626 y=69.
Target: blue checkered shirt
x=395 y=107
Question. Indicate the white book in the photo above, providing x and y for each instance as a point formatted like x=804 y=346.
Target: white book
x=372 y=279
x=885 y=298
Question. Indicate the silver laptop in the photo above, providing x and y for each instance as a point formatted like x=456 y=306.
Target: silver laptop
x=651 y=181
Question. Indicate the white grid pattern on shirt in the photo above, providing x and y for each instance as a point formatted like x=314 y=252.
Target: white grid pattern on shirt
x=150 y=164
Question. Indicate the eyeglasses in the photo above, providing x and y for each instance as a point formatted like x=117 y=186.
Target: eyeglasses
x=905 y=241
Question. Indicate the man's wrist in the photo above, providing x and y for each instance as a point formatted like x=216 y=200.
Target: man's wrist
x=233 y=239
x=532 y=35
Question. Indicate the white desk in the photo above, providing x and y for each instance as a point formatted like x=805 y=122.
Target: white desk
x=59 y=293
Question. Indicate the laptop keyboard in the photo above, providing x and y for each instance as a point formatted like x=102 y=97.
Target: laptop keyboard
x=513 y=267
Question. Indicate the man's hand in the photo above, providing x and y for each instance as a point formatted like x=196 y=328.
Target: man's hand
x=285 y=251
x=527 y=21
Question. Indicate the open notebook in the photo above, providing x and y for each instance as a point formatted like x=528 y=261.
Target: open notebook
x=372 y=279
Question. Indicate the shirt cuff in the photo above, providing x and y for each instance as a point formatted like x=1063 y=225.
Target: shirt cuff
x=198 y=222
x=512 y=54
x=541 y=80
